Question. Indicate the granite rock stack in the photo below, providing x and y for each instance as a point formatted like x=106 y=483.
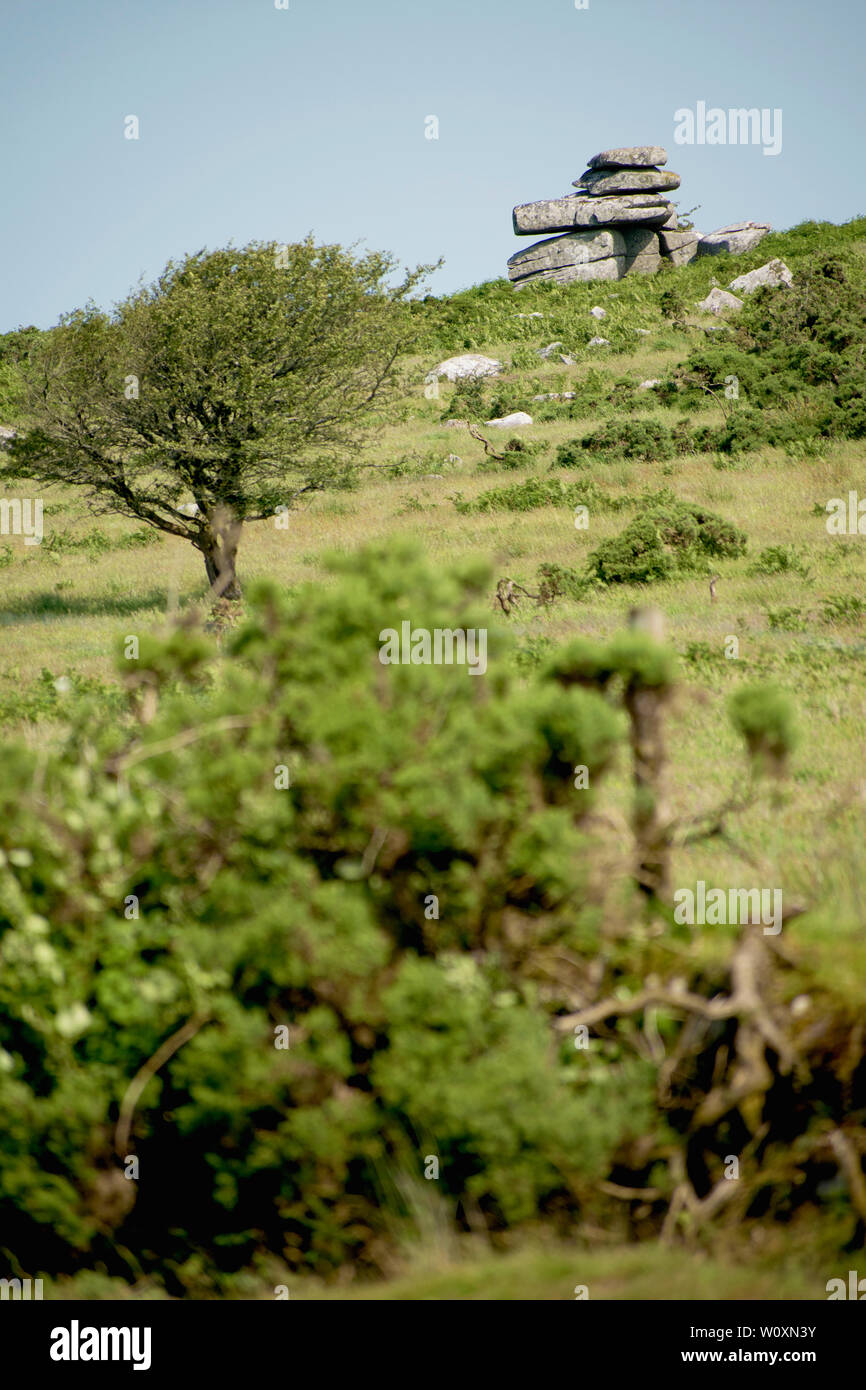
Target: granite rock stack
x=619 y=222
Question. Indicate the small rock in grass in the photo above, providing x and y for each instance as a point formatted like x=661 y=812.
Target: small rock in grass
x=518 y=417
x=718 y=300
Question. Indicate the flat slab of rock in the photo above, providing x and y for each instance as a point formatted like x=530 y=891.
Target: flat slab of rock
x=774 y=273
x=609 y=269
x=736 y=238
x=580 y=210
x=599 y=182
x=468 y=364
x=575 y=248
x=630 y=157
x=505 y=422
x=717 y=301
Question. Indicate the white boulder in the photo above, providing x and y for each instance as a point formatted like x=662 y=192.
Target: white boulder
x=507 y=422
x=468 y=364
x=774 y=273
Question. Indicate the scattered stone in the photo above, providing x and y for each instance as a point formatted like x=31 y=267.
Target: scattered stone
x=736 y=238
x=647 y=385
x=556 y=396
x=453 y=424
x=598 y=182
x=453 y=458
x=529 y=316
x=432 y=475
x=597 y=312
x=468 y=364
x=505 y=422
x=644 y=332
x=578 y=210
x=774 y=273
x=629 y=157
x=599 y=342
x=718 y=300
x=548 y=351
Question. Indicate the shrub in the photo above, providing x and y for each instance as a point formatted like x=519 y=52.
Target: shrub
x=631 y=439
x=672 y=535
x=779 y=559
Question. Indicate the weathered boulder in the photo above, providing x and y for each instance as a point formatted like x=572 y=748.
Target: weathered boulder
x=630 y=156
x=550 y=350
x=599 y=342
x=775 y=273
x=642 y=255
x=597 y=312
x=598 y=182
x=609 y=269
x=575 y=248
x=580 y=210
x=736 y=238
x=679 y=247
x=505 y=422
x=468 y=364
x=718 y=300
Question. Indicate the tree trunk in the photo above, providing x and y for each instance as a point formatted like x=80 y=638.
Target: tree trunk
x=220 y=557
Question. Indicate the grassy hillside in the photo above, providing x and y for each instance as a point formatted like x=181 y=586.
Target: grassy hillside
x=795 y=601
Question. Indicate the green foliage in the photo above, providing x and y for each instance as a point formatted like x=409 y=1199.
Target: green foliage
x=558 y=581
x=666 y=537
x=631 y=439
x=535 y=492
x=306 y=907
x=843 y=608
x=239 y=378
x=779 y=559
x=764 y=715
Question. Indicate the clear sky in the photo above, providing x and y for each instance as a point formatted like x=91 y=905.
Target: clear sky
x=266 y=123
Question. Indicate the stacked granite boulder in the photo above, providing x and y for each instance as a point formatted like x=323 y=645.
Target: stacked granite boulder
x=618 y=223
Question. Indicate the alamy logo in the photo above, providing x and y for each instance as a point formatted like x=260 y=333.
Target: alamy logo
x=20 y=1289
x=737 y=126
x=19 y=518
x=856 y=1288
x=444 y=646
x=76 y=1343
x=737 y=907
x=846 y=518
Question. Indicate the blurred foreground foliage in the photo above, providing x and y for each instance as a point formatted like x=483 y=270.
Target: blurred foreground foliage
x=256 y=846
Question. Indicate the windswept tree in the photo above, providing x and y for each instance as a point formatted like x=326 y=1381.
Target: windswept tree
x=238 y=381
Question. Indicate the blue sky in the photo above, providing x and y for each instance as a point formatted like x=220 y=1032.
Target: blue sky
x=259 y=123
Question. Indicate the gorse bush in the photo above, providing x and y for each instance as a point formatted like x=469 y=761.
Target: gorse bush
x=662 y=539
x=315 y=921
x=631 y=439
